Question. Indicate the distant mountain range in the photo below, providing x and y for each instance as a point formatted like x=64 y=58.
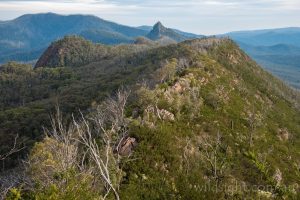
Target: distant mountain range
x=277 y=50
x=26 y=38
x=268 y=37
x=182 y=33
x=191 y=104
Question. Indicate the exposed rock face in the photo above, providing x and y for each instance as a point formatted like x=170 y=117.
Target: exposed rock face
x=202 y=45
x=53 y=50
x=160 y=113
x=70 y=51
x=126 y=146
x=283 y=134
x=159 y=31
x=177 y=87
x=166 y=115
x=183 y=84
x=148 y=112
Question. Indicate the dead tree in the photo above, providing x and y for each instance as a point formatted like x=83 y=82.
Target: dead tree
x=213 y=154
x=66 y=136
x=13 y=150
x=12 y=179
x=101 y=156
x=110 y=128
x=252 y=123
x=90 y=145
x=56 y=154
x=8 y=181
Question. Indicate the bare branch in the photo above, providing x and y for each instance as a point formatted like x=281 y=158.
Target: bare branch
x=90 y=145
x=13 y=150
x=211 y=152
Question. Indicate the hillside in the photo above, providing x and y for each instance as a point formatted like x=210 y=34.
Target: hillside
x=268 y=37
x=206 y=122
x=282 y=60
x=31 y=33
x=277 y=50
x=31 y=37
x=159 y=32
x=274 y=49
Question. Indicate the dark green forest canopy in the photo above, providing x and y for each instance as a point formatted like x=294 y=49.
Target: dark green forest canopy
x=76 y=74
x=209 y=85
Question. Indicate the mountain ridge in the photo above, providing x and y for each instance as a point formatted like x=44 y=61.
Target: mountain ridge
x=186 y=34
x=32 y=36
x=275 y=49
x=185 y=98
x=31 y=33
x=267 y=37
x=159 y=32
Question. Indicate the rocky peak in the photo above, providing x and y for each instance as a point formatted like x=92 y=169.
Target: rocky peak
x=159 y=31
x=159 y=27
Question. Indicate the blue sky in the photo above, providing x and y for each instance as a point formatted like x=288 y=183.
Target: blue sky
x=198 y=16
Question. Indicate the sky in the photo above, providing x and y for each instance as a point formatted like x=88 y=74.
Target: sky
x=197 y=16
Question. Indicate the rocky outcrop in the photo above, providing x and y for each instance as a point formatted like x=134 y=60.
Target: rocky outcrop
x=159 y=31
x=126 y=146
x=165 y=115
x=71 y=51
x=162 y=114
x=283 y=134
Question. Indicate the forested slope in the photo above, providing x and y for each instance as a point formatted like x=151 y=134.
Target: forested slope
x=207 y=121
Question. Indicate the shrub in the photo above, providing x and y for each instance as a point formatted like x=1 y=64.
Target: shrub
x=14 y=194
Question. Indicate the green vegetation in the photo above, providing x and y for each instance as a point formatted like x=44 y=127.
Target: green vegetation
x=33 y=33
x=209 y=123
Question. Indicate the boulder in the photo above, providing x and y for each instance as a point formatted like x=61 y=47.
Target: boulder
x=166 y=115
x=162 y=114
x=126 y=146
x=178 y=88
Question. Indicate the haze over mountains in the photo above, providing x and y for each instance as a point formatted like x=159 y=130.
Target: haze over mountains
x=33 y=33
x=276 y=49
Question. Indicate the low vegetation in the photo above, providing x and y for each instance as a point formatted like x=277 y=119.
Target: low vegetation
x=202 y=121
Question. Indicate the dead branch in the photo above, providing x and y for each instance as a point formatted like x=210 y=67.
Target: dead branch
x=110 y=127
x=211 y=153
x=90 y=145
x=13 y=150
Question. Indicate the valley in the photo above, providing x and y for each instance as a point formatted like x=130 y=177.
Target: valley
x=181 y=98
x=93 y=109
x=277 y=50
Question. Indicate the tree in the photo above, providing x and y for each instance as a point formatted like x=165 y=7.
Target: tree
x=252 y=123
x=213 y=154
x=166 y=72
x=111 y=128
x=10 y=181
x=87 y=151
x=13 y=150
